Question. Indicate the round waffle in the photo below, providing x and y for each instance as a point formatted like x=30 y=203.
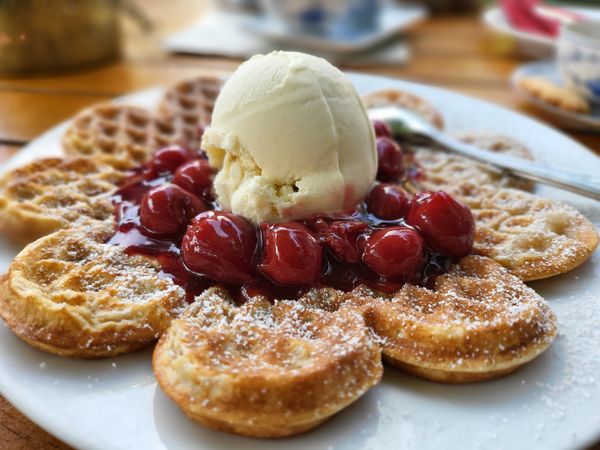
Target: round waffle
x=532 y=237
x=119 y=135
x=265 y=370
x=403 y=99
x=191 y=103
x=70 y=294
x=476 y=322
x=49 y=194
x=445 y=170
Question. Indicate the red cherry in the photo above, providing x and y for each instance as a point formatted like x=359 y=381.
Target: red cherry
x=390 y=160
x=292 y=255
x=167 y=209
x=388 y=201
x=447 y=225
x=396 y=253
x=221 y=246
x=316 y=224
x=382 y=129
x=168 y=159
x=341 y=238
x=195 y=176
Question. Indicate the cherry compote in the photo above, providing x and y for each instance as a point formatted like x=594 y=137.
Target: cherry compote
x=397 y=253
x=447 y=225
x=292 y=254
x=382 y=129
x=195 y=176
x=166 y=211
x=390 y=160
x=168 y=159
x=221 y=246
x=388 y=201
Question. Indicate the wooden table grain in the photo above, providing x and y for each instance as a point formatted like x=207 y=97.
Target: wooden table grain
x=453 y=52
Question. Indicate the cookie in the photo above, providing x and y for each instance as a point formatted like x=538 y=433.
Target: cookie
x=559 y=96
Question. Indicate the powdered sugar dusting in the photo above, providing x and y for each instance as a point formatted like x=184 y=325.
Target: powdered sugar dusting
x=101 y=272
x=287 y=335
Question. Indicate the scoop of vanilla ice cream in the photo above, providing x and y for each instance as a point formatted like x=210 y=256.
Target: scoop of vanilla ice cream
x=291 y=139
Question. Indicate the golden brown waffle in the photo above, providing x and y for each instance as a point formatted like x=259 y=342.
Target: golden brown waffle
x=444 y=170
x=119 y=135
x=49 y=194
x=265 y=370
x=70 y=294
x=190 y=103
x=532 y=237
x=403 y=99
x=477 y=322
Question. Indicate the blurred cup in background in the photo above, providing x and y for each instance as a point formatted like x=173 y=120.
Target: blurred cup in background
x=323 y=16
x=578 y=58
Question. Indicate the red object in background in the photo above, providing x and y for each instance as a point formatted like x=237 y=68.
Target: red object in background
x=522 y=14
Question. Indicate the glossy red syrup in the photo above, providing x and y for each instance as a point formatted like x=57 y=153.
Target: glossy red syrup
x=341 y=250
x=137 y=241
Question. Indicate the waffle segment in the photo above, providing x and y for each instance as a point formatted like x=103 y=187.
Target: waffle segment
x=477 y=322
x=120 y=135
x=190 y=104
x=70 y=294
x=407 y=100
x=533 y=237
x=265 y=370
x=445 y=170
x=50 y=194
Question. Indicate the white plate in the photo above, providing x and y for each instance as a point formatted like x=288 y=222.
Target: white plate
x=552 y=403
x=529 y=44
x=568 y=119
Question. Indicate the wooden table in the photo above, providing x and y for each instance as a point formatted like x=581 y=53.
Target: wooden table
x=453 y=52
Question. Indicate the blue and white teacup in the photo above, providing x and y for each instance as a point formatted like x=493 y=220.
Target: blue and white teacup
x=325 y=16
x=579 y=58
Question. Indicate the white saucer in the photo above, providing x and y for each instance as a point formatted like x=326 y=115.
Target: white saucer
x=392 y=20
x=567 y=119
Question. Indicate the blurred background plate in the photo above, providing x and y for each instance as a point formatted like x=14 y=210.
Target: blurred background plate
x=562 y=117
x=240 y=33
x=529 y=44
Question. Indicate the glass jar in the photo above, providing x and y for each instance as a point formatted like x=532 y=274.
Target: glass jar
x=45 y=35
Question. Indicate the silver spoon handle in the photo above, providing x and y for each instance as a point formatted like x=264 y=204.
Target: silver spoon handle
x=570 y=181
